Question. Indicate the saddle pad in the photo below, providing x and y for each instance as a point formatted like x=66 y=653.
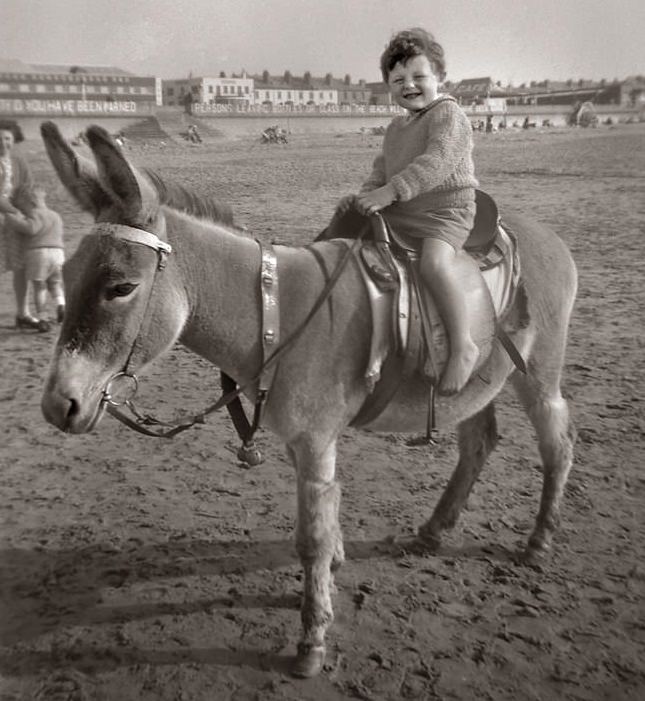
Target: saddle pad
x=502 y=278
x=501 y=281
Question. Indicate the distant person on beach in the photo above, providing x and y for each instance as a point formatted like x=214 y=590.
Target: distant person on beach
x=16 y=198
x=424 y=184
x=44 y=254
x=193 y=134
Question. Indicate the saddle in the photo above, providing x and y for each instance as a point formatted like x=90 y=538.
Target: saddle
x=408 y=335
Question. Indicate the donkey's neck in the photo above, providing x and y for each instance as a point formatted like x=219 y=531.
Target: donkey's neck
x=219 y=273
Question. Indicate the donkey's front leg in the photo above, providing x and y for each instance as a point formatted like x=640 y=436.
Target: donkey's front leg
x=319 y=545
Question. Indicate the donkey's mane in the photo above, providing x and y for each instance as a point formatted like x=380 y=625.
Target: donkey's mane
x=180 y=198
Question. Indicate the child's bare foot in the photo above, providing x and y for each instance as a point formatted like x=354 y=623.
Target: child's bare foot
x=458 y=369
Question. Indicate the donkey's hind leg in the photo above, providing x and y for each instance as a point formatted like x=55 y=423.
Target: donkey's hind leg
x=477 y=438
x=549 y=414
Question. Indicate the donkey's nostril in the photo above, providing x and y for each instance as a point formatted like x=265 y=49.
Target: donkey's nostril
x=73 y=408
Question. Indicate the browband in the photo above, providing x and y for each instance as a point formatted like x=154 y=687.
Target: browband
x=132 y=235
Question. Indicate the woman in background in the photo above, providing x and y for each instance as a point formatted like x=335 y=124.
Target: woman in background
x=16 y=197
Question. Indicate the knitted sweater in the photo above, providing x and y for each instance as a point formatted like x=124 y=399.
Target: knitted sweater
x=43 y=227
x=428 y=152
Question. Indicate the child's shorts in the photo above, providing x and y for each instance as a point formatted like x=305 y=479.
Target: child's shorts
x=449 y=224
x=44 y=264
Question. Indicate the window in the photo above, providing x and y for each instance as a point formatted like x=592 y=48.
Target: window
x=321 y=95
x=170 y=92
x=246 y=89
x=210 y=88
x=311 y=96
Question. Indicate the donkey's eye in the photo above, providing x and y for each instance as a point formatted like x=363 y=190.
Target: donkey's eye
x=121 y=290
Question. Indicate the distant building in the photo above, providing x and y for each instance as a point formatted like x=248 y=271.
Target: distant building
x=470 y=90
x=209 y=91
x=288 y=90
x=379 y=93
x=55 y=90
x=625 y=93
x=350 y=93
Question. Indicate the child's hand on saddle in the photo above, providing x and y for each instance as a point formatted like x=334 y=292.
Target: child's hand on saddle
x=371 y=202
x=345 y=203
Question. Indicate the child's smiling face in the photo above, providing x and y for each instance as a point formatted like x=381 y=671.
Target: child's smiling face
x=413 y=84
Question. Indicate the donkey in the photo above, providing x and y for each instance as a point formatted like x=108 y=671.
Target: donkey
x=124 y=311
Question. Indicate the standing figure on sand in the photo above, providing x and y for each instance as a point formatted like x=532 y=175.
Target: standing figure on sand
x=16 y=201
x=44 y=254
x=423 y=182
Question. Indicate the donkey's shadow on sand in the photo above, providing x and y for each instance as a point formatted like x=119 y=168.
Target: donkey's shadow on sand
x=46 y=591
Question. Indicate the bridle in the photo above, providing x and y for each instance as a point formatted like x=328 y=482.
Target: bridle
x=272 y=349
x=138 y=237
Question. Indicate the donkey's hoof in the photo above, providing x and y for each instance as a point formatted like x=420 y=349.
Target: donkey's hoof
x=309 y=660
x=250 y=455
x=428 y=540
x=533 y=556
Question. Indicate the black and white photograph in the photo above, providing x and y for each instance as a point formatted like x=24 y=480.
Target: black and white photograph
x=321 y=350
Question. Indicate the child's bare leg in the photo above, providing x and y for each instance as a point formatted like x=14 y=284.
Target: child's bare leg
x=438 y=269
x=21 y=288
x=40 y=297
x=57 y=293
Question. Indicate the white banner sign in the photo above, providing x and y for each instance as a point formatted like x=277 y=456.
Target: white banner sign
x=66 y=107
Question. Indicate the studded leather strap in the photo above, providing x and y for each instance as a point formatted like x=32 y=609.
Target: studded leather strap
x=269 y=291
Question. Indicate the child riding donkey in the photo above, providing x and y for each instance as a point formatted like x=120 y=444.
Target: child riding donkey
x=424 y=184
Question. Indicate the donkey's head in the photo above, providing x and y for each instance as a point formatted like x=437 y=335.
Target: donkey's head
x=123 y=306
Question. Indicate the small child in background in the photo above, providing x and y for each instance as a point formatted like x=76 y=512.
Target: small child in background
x=44 y=253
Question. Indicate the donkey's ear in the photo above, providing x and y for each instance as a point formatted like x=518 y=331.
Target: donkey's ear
x=78 y=174
x=115 y=173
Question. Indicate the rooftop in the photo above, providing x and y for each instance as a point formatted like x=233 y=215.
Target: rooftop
x=13 y=65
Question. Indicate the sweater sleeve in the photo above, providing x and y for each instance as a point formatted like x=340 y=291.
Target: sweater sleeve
x=449 y=142
x=377 y=176
x=23 y=186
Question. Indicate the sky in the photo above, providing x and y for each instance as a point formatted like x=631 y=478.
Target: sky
x=512 y=41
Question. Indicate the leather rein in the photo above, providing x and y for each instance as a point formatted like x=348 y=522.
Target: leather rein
x=272 y=349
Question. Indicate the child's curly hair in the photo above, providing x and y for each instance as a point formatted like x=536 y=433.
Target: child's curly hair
x=409 y=43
